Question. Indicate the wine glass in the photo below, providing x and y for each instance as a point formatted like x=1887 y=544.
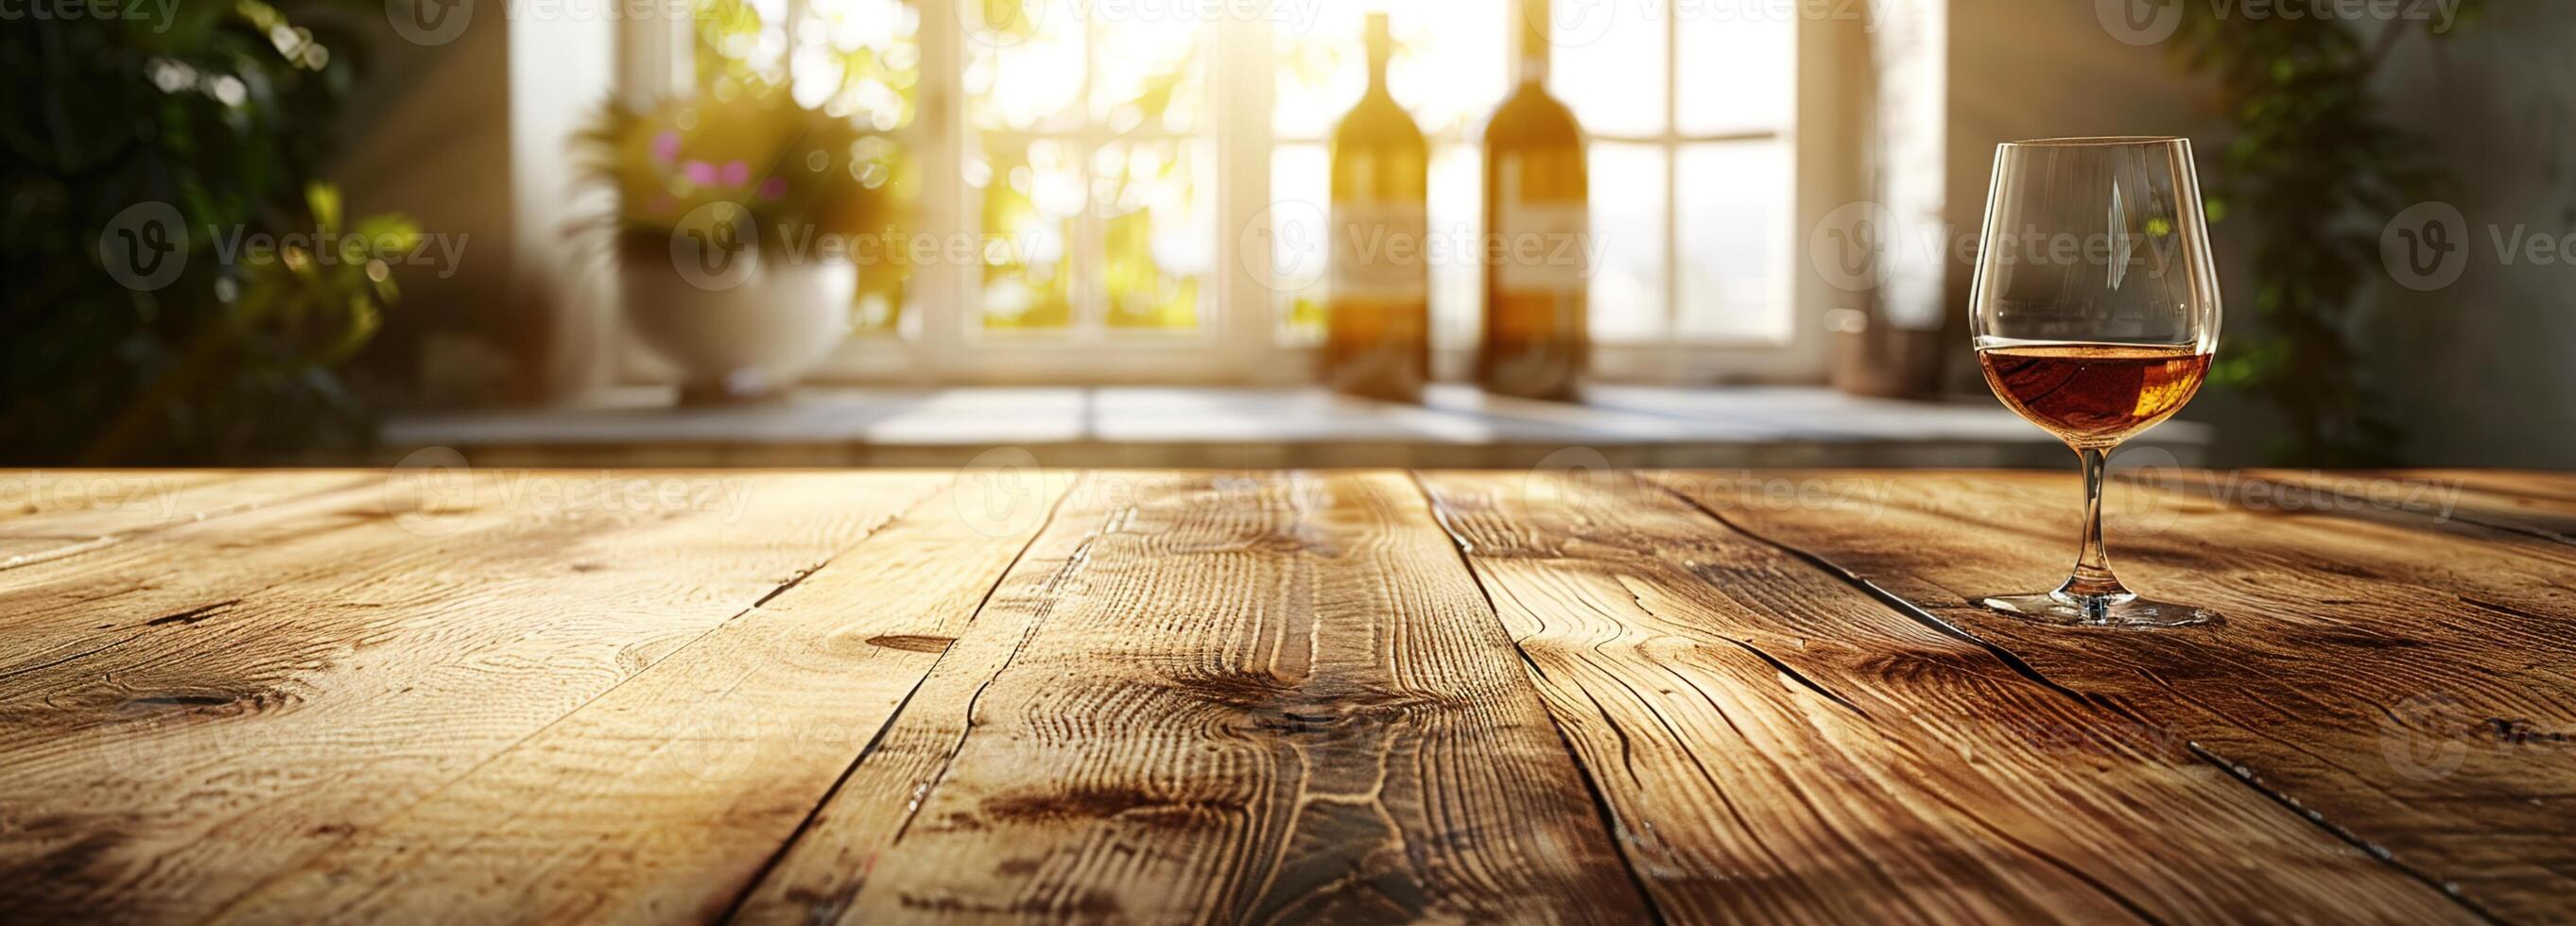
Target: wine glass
x=2095 y=311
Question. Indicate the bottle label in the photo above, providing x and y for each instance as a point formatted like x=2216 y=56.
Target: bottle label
x=1539 y=247
x=1379 y=250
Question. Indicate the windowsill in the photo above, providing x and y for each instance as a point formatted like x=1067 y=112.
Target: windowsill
x=1458 y=426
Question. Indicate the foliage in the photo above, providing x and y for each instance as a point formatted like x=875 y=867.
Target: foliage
x=2312 y=153
x=1044 y=200
x=222 y=112
x=782 y=163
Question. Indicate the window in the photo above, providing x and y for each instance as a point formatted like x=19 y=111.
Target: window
x=1145 y=179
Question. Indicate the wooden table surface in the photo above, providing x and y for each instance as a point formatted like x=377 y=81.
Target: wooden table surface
x=1368 y=696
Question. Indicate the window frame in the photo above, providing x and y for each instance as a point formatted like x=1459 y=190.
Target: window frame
x=1239 y=340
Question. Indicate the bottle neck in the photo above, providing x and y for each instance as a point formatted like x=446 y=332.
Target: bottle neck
x=1381 y=46
x=1533 y=67
x=1530 y=47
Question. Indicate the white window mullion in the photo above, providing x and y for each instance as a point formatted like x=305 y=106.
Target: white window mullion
x=1672 y=150
x=1242 y=302
x=950 y=290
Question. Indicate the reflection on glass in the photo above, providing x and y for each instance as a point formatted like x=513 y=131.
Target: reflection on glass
x=1732 y=202
x=1628 y=202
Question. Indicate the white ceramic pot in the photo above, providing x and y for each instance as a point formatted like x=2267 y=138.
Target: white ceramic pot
x=748 y=329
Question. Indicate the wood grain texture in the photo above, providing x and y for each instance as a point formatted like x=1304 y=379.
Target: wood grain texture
x=325 y=679
x=2402 y=684
x=1222 y=699
x=1159 y=697
x=1781 y=747
x=664 y=797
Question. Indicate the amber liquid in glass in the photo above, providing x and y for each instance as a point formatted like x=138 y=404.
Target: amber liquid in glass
x=2094 y=395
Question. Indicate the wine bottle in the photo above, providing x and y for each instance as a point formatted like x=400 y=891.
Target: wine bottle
x=1377 y=339
x=1537 y=340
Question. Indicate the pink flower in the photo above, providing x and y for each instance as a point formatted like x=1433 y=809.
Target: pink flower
x=736 y=173
x=666 y=146
x=773 y=188
x=699 y=172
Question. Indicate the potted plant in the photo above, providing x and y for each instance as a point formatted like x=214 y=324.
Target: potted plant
x=734 y=229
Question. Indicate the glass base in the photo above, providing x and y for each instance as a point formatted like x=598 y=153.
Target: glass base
x=2061 y=607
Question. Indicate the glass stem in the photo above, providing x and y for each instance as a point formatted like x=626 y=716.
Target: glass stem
x=2093 y=581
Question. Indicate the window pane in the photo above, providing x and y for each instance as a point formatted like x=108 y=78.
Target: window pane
x=1628 y=201
x=1608 y=65
x=862 y=59
x=1448 y=69
x=1024 y=64
x=1736 y=73
x=1300 y=194
x=739 y=39
x=1734 y=199
x=1145 y=71
x=1157 y=226
x=1457 y=210
x=1032 y=213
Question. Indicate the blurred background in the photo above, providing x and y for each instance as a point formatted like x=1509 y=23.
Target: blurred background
x=1092 y=232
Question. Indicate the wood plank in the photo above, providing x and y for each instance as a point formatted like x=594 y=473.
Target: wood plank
x=1780 y=747
x=157 y=779
x=664 y=797
x=2529 y=513
x=1219 y=699
x=50 y=515
x=2410 y=688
